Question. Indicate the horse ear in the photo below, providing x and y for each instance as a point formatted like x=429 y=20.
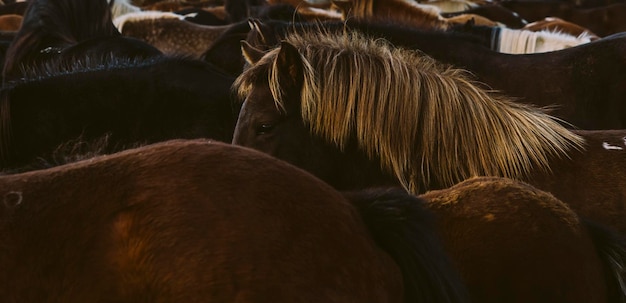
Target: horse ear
x=259 y=32
x=250 y=53
x=290 y=61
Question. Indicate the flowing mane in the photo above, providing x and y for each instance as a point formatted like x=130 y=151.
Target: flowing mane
x=425 y=121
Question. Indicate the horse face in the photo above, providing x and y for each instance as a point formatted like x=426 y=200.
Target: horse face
x=281 y=132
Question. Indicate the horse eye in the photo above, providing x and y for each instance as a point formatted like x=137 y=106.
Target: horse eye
x=264 y=128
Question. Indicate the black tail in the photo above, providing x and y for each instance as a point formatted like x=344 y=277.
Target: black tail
x=612 y=250
x=404 y=229
x=52 y=24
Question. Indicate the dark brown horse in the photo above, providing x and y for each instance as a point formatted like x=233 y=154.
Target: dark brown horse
x=376 y=114
x=60 y=31
x=514 y=243
x=582 y=85
x=129 y=101
x=100 y=86
x=195 y=221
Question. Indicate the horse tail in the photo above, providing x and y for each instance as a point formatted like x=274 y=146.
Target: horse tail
x=5 y=126
x=401 y=225
x=612 y=250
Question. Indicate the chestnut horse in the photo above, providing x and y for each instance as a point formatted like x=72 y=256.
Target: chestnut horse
x=582 y=85
x=169 y=32
x=377 y=114
x=602 y=20
x=195 y=221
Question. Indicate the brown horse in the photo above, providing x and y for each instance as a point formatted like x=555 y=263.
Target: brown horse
x=11 y=22
x=403 y=12
x=604 y=20
x=520 y=244
x=377 y=114
x=194 y=221
x=169 y=33
x=582 y=85
x=554 y=24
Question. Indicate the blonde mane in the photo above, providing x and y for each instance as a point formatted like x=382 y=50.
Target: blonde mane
x=426 y=122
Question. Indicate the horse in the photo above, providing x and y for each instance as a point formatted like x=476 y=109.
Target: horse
x=524 y=41
x=128 y=101
x=10 y=22
x=60 y=31
x=195 y=221
x=169 y=33
x=494 y=12
x=127 y=97
x=225 y=52
x=378 y=115
x=604 y=20
x=404 y=12
x=518 y=235
x=559 y=25
x=583 y=85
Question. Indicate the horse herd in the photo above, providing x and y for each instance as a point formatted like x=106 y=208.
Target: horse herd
x=371 y=159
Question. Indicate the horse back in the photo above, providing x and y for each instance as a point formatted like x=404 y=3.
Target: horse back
x=592 y=181
x=185 y=221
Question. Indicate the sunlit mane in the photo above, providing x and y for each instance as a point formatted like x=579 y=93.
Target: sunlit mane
x=428 y=123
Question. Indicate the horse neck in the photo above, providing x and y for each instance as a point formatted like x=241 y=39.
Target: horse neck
x=351 y=169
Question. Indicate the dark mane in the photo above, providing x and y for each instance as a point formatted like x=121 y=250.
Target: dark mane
x=136 y=101
x=55 y=24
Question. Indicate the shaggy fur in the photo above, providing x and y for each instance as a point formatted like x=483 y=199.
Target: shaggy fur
x=490 y=224
x=196 y=221
x=451 y=129
x=170 y=33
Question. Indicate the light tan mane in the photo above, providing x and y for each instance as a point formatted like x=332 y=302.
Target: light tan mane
x=426 y=122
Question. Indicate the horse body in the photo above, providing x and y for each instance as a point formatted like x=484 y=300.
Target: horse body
x=295 y=125
x=531 y=247
x=528 y=42
x=301 y=108
x=80 y=81
x=61 y=31
x=129 y=101
x=602 y=20
x=194 y=221
x=169 y=33
x=592 y=181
